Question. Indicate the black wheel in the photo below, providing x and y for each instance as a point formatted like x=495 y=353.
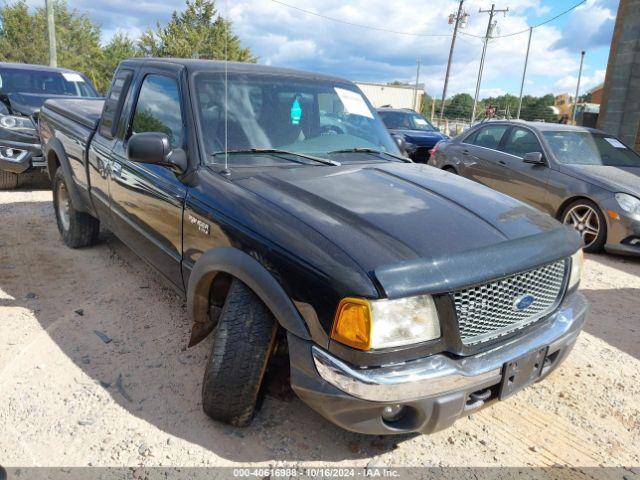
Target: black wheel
x=77 y=229
x=450 y=170
x=8 y=180
x=243 y=341
x=589 y=222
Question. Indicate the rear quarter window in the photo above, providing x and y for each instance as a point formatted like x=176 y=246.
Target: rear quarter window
x=113 y=103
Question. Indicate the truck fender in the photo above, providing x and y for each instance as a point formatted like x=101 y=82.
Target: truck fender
x=245 y=268
x=55 y=150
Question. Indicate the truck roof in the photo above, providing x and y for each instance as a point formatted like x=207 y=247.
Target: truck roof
x=218 y=66
x=32 y=66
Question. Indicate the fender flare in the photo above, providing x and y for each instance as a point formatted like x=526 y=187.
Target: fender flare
x=248 y=270
x=55 y=146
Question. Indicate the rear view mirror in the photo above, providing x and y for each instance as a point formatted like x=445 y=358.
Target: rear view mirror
x=155 y=148
x=534 y=158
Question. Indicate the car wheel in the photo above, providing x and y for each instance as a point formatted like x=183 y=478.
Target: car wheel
x=8 y=180
x=77 y=229
x=585 y=217
x=450 y=170
x=243 y=342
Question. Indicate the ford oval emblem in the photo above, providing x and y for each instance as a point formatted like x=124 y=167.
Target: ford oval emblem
x=524 y=302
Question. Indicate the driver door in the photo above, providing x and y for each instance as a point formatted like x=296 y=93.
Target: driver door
x=147 y=200
x=525 y=181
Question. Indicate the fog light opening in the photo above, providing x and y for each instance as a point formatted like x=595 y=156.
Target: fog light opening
x=393 y=413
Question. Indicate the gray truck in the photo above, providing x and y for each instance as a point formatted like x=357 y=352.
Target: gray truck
x=401 y=297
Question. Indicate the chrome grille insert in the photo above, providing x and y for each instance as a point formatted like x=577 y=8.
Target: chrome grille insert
x=494 y=309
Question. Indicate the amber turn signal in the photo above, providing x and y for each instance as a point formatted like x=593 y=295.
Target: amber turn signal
x=352 y=324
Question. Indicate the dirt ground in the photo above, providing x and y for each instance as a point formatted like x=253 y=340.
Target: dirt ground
x=67 y=398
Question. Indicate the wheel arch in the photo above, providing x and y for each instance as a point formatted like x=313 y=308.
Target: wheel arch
x=563 y=206
x=56 y=158
x=210 y=277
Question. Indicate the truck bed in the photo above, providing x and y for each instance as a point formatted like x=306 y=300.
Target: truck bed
x=85 y=111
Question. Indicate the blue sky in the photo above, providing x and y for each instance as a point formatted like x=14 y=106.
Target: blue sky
x=284 y=36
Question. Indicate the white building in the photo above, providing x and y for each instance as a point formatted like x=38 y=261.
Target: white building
x=396 y=96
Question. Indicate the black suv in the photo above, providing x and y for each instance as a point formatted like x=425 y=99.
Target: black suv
x=402 y=297
x=23 y=90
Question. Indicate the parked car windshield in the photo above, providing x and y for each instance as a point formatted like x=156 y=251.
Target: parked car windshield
x=22 y=80
x=302 y=116
x=406 y=121
x=586 y=148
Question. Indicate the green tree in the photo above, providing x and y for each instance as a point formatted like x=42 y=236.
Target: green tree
x=119 y=48
x=23 y=38
x=197 y=32
x=459 y=106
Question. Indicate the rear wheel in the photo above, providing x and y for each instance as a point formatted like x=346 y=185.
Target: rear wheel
x=450 y=170
x=587 y=219
x=243 y=342
x=8 y=180
x=77 y=229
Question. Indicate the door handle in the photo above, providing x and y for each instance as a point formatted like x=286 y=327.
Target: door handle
x=502 y=162
x=465 y=152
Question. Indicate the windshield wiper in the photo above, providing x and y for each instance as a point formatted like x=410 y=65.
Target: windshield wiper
x=275 y=151
x=371 y=150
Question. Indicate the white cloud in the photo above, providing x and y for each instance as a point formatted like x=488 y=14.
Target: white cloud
x=568 y=82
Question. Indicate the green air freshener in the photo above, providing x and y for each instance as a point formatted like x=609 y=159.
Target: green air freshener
x=296 y=112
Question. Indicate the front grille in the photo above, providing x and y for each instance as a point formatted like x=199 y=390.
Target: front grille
x=494 y=309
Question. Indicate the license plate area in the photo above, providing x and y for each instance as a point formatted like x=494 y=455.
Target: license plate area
x=522 y=371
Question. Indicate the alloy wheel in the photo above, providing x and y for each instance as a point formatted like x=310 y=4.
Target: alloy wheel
x=64 y=206
x=584 y=219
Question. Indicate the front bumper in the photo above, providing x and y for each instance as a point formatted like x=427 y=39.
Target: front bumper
x=434 y=391
x=31 y=156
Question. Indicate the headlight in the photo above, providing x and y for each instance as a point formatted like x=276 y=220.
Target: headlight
x=628 y=203
x=12 y=122
x=577 y=265
x=375 y=324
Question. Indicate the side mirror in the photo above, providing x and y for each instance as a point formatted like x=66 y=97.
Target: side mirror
x=401 y=143
x=155 y=148
x=534 y=158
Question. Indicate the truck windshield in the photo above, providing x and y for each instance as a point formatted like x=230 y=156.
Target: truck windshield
x=586 y=148
x=298 y=115
x=23 y=80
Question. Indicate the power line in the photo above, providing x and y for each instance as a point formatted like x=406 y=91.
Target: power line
x=410 y=34
x=533 y=26
x=359 y=25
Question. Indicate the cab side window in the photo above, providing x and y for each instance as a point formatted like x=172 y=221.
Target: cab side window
x=520 y=142
x=489 y=136
x=158 y=109
x=113 y=103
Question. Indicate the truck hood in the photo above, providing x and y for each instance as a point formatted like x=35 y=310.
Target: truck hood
x=614 y=179
x=413 y=227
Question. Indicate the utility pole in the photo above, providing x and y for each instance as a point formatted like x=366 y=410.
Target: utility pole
x=524 y=72
x=490 y=26
x=51 y=28
x=459 y=16
x=575 y=101
x=415 y=93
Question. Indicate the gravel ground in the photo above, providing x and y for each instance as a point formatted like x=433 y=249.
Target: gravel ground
x=130 y=394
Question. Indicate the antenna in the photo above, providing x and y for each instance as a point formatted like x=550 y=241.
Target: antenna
x=226 y=90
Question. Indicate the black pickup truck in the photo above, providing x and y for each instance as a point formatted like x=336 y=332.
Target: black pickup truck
x=23 y=90
x=401 y=296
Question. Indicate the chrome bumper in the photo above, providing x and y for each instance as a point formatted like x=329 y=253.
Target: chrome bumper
x=440 y=374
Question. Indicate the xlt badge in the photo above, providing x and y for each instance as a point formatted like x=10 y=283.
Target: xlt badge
x=203 y=227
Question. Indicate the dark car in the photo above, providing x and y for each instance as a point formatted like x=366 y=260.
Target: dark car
x=400 y=296
x=23 y=90
x=583 y=177
x=418 y=136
